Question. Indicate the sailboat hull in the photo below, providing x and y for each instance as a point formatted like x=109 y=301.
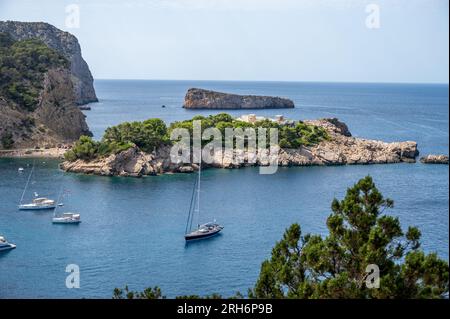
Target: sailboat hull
x=33 y=207
x=7 y=247
x=199 y=235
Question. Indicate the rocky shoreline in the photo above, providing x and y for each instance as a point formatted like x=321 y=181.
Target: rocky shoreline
x=340 y=149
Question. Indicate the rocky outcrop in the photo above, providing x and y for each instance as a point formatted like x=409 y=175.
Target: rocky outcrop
x=55 y=120
x=62 y=42
x=434 y=159
x=340 y=149
x=205 y=99
x=37 y=100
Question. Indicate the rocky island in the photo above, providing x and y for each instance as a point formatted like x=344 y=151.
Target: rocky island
x=314 y=142
x=43 y=78
x=434 y=159
x=206 y=99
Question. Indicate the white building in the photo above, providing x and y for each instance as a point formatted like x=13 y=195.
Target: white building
x=252 y=118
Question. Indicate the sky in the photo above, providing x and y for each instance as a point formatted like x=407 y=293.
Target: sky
x=253 y=40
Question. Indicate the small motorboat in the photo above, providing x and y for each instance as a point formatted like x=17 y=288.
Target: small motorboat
x=67 y=218
x=20 y=169
x=204 y=231
x=4 y=245
x=38 y=204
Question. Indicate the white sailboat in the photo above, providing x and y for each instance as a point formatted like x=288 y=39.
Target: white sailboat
x=38 y=203
x=65 y=218
x=4 y=245
x=202 y=231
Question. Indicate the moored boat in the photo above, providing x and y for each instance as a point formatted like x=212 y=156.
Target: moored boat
x=38 y=204
x=67 y=218
x=4 y=245
x=204 y=231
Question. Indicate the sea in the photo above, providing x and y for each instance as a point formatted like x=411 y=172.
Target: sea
x=132 y=228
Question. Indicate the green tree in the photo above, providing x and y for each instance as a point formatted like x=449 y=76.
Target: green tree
x=85 y=148
x=7 y=140
x=22 y=67
x=148 y=293
x=309 y=266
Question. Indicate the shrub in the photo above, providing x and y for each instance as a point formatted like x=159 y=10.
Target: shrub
x=7 y=140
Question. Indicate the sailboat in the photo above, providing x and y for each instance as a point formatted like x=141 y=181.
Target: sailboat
x=65 y=218
x=4 y=245
x=38 y=203
x=202 y=231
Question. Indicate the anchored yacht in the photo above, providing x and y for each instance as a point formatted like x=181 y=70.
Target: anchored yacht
x=67 y=218
x=203 y=231
x=4 y=245
x=38 y=203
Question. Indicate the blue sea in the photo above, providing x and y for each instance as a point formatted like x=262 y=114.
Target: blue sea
x=132 y=229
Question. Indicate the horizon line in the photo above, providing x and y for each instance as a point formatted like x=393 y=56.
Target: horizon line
x=274 y=81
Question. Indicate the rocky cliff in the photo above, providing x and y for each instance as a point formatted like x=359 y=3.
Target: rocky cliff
x=340 y=149
x=37 y=101
x=205 y=99
x=64 y=43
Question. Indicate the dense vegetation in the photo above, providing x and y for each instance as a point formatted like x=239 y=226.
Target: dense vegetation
x=152 y=133
x=300 y=134
x=22 y=67
x=312 y=266
x=147 y=135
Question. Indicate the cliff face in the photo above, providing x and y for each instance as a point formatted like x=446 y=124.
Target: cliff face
x=55 y=120
x=37 y=101
x=205 y=99
x=62 y=42
x=340 y=149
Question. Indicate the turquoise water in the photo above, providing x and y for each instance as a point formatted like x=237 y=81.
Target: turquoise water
x=132 y=229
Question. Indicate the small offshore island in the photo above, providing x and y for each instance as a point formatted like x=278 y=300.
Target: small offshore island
x=143 y=148
x=206 y=99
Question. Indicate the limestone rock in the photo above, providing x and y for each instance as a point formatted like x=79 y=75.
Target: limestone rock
x=434 y=159
x=206 y=99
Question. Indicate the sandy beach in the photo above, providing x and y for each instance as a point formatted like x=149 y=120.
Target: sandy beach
x=31 y=152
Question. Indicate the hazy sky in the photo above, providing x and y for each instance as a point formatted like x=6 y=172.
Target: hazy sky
x=286 y=40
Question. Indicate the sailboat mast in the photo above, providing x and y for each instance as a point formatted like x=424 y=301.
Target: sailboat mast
x=198 y=188
x=191 y=208
x=26 y=185
x=58 y=201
